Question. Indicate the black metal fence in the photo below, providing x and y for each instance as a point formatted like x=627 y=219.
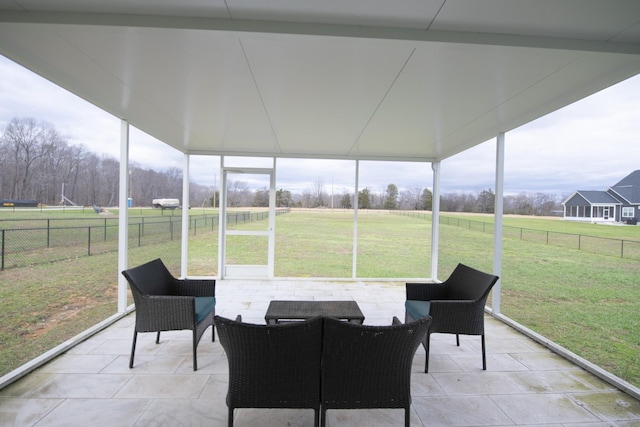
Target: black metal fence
x=47 y=240
x=629 y=249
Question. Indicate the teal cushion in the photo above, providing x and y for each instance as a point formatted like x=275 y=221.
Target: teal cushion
x=417 y=309
x=204 y=306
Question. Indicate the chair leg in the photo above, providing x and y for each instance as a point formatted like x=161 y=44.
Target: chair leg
x=133 y=348
x=458 y=340
x=316 y=420
x=484 y=354
x=195 y=347
x=426 y=348
x=323 y=416
x=230 y=422
x=158 y=338
x=407 y=416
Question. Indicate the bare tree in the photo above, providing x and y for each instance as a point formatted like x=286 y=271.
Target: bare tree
x=27 y=142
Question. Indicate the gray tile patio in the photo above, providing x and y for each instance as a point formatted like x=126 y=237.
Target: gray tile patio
x=525 y=383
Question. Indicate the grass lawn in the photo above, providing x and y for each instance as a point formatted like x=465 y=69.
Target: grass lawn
x=585 y=302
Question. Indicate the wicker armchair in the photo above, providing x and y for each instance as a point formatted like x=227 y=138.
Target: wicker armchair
x=164 y=303
x=369 y=366
x=272 y=366
x=455 y=305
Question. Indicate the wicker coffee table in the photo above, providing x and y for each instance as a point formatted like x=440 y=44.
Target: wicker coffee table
x=290 y=311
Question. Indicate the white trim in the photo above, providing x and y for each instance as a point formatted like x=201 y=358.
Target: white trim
x=497 y=227
x=184 y=256
x=123 y=216
x=435 y=219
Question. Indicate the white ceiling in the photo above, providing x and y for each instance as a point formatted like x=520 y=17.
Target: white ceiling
x=349 y=79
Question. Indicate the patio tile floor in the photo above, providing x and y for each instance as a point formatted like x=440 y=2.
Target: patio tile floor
x=525 y=383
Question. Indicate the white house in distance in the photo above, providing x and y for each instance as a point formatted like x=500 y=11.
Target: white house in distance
x=620 y=203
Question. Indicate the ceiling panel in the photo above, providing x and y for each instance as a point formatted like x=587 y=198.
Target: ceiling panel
x=405 y=80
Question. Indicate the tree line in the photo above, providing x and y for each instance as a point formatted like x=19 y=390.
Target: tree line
x=38 y=163
x=538 y=204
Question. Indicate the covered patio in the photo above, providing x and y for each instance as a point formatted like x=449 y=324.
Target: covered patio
x=525 y=383
x=414 y=81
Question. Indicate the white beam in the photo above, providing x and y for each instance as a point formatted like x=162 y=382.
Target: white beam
x=257 y=26
x=354 y=272
x=123 y=216
x=497 y=225
x=184 y=251
x=435 y=219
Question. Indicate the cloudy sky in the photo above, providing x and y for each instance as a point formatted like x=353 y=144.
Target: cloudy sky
x=589 y=145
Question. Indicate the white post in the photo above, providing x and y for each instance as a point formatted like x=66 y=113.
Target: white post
x=354 y=272
x=184 y=251
x=222 y=218
x=123 y=216
x=497 y=225
x=435 y=219
x=271 y=250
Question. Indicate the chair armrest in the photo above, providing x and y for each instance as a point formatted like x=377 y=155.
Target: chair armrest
x=195 y=287
x=425 y=291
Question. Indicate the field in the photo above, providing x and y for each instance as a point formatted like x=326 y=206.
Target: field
x=583 y=301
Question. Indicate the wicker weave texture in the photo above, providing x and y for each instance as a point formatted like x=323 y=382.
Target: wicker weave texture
x=369 y=366
x=457 y=304
x=320 y=363
x=272 y=366
x=165 y=303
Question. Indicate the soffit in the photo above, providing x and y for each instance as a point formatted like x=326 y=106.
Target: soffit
x=402 y=80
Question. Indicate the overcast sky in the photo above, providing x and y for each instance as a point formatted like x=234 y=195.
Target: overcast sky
x=589 y=145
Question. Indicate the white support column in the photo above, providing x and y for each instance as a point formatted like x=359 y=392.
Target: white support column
x=123 y=216
x=354 y=272
x=435 y=219
x=222 y=218
x=271 y=250
x=184 y=251
x=497 y=226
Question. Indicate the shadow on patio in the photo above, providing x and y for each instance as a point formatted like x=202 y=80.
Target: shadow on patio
x=525 y=383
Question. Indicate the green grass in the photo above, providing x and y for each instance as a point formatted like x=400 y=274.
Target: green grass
x=585 y=302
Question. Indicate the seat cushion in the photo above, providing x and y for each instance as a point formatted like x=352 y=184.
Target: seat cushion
x=417 y=309
x=204 y=306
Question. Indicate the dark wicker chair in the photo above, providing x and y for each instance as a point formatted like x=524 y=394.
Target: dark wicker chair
x=164 y=303
x=369 y=366
x=272 y=366
x=455 y=305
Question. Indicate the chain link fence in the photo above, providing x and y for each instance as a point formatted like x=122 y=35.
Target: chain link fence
x=48 y=240
x=628 y=249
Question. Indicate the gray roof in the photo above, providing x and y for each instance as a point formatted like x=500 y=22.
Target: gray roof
x=629 y=188
x=598 y=197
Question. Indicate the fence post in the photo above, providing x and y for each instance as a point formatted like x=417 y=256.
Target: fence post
x=621 y=248
x=2 y=269
x=48 y=232
x=89 y=241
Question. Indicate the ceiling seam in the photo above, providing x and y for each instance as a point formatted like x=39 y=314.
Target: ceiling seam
x=226 y=5
x=623 y=31
x=264 y=106
x=435 y=15
x=357 y=140
x=529 y=87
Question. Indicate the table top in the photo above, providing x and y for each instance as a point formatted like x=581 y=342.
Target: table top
x=300 y=310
